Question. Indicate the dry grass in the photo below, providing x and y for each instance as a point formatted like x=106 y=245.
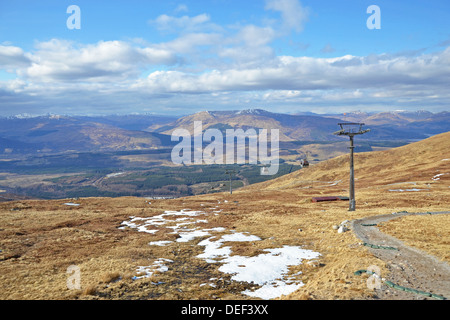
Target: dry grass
x=110 y=277
x=90 y=291
x=39 y=240
x=42 y=241
x=429 y=233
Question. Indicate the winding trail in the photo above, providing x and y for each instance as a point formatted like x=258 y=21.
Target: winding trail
x=408 y=267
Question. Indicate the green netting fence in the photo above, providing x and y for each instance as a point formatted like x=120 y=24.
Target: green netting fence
x=401 y=288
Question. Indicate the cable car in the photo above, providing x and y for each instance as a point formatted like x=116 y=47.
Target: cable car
x=304 y=163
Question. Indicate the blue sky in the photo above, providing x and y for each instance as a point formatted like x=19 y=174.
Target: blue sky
x=180 y=57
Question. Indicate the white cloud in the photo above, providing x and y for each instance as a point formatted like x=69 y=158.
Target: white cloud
x=254 y=36
x=426 y=72
x=189 y=43
x=12 y=57
x=328 y=49
x=294 y=15
x=208 y=65
x=181 y=8
x=249 y=47
x=108 y=74
x=59 y=60
x=184 y=24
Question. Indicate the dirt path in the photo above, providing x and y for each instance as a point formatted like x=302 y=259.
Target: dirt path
x=408 y=267
x=243 y=179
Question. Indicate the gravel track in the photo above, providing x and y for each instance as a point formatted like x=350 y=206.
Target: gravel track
x=408 y=267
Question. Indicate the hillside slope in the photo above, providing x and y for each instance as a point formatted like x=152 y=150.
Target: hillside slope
x=66 y=134
x=415 y=163
x=39 y=239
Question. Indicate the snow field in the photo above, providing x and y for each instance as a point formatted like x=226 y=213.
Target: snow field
x=268 y=270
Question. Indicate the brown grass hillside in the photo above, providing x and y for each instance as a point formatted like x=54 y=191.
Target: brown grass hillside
x=40 y=239
x=415 y=165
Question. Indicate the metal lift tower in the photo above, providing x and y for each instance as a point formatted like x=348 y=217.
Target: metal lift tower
x=230 y=172
x=351 y=129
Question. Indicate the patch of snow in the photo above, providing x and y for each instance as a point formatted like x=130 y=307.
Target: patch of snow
x=238 y=236
x=268 y=270
x=71 y=204
x=188 y=236
x=273 y=290
x=334 y=183
x=159 y=243
x=213 y=250
x=218 y=229
x=404 y=190
x=144 y=229
x=160 y=220
x=437 y=177
x=111 y=175
x=148 y=271
x=393 y=184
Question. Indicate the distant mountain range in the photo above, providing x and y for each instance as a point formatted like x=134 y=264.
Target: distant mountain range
x=389 y=117
x=412 y=124
x=57 y=134
x=53 y=134
x=314 y=127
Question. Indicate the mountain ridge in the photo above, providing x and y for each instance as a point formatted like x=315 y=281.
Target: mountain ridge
x=61 y=133
x=295 y=127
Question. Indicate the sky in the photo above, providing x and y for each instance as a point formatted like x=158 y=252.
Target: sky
x=181 y=57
